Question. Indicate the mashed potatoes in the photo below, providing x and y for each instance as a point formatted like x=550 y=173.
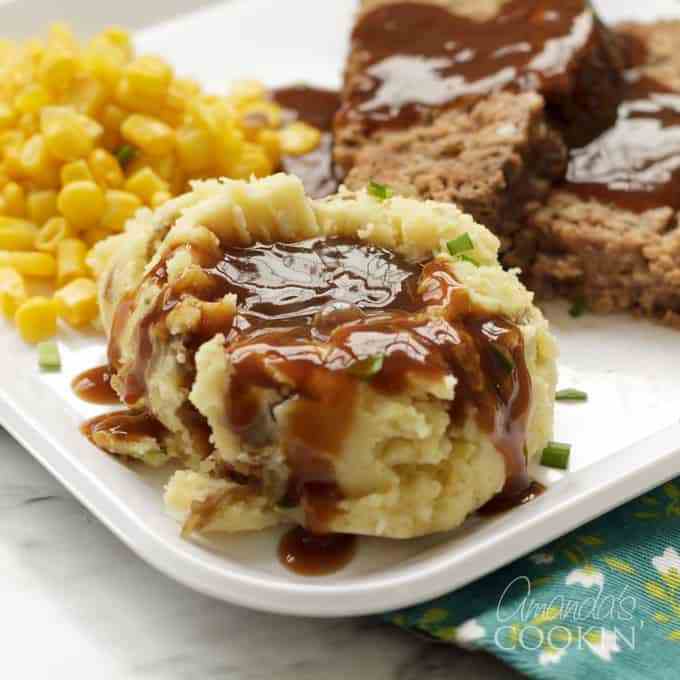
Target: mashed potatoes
x=329 y=363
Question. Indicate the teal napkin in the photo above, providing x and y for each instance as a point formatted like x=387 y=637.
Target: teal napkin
x=602 y=602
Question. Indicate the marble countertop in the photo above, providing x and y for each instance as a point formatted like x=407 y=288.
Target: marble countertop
x=78 y=604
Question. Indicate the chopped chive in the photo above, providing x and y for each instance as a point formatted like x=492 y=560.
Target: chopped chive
x=571 y=395
x=578 y=309
x=471 y=260
x=125 y=155
x=461 y=244
x=380 y=191
x=506 y=362
x=48 y=356
x=367 y=368
x=556 y=455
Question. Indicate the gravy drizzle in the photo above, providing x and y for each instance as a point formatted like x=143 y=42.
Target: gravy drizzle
x=418 y=57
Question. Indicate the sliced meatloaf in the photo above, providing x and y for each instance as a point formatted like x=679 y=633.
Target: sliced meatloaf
x=622 y=254
x=493 y=150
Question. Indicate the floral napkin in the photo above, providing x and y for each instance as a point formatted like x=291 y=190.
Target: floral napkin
x=602 y=602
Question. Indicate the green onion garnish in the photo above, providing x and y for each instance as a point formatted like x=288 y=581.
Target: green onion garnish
x=471 y=260
x=571 y=395
x=461 y=244
x=506 y=362
x=578 y=309
x=48 y=356
x=380 y=191
x=556 y=455
x=367 y=368
x=125 y=155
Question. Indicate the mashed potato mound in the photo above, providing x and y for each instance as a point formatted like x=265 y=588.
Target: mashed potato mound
x=368 y=443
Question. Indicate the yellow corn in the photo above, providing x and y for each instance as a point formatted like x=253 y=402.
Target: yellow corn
x=82 y=203
x=37 y=163
x=252 y=160
x=36 y=319
x=259 y=114
x=120 y=207
x=75 y=171
x=71 y=254
x=105 y=168
x=7 y=115
x=41 y=265
x=69 y=135
x=58 y=68
x=41 y=206
x=270 y=141
x=77 y=302
x=195 y=149
x=16 y=234
x=149 y=76
x=299 y=138
x=12 y=291
x=31 y=99
x=54 y=231
x=145 y=183
x=152 y=136
x=15 y=199
x=87 y=95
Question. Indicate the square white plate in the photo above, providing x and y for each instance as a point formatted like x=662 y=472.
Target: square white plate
x=624 y=438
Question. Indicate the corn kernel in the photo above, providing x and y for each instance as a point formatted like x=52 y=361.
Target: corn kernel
x=260 y=114
x=246 y=91
x=94 y=235
x=251 y=161
x=53 y=232
x=299 y=138
x=149 y=75
x=10 y=139
x=16 y=234
x=31 y=99
x=269 y=140
x=104 y=60
x=36 y=319
x=37 y=163
x=12 y=291
x=119 y=37
x=75 y=171
x=41 y=206
x=120 y=207
x=71 y=254
x=7 y=115
x=82 y=203
x=159 y=198
x=15 y=199
x=133 y=100
x=145 y=183
x=68 y=135
x=87 y=95
x=77 y=302
x=58 y=68
x=152 y=136
x=28 y=123
x=195 y=149
x=106 y=169
x=41 y=265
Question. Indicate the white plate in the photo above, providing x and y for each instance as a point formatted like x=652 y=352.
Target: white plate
x=624 y=437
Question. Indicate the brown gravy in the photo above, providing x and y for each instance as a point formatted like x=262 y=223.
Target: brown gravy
x=94 y=386
x=417 y=57
x=124 y=426
x=635 y=164
x=316 y=107
x=504 y=502
x=311 y=554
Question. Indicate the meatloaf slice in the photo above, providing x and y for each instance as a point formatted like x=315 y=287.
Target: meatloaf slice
x=494 y=144
x=609 y=252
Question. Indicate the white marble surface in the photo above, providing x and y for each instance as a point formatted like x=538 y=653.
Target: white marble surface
x=77 y=604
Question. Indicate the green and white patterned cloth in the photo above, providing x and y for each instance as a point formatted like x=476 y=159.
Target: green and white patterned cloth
x=602 y=602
